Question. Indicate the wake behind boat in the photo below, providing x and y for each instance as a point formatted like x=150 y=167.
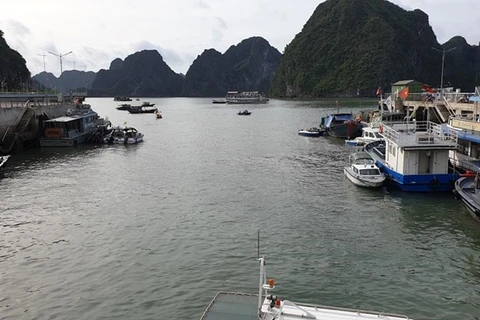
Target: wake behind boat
x=362 y=171
x=266 y=306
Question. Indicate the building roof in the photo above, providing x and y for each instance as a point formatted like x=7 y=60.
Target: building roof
x=404 y=82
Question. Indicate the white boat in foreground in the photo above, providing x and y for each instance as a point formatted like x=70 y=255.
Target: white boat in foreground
x=242 y=306
x=362 y=171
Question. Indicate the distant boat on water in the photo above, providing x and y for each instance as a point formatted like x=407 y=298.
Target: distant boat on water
x=245 y=97
x=121 y=98
x=219 y=101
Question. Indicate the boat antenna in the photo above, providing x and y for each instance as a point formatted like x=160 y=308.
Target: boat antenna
x=258 y=244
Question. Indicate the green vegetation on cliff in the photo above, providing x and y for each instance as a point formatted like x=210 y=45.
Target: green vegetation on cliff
x=350 y=46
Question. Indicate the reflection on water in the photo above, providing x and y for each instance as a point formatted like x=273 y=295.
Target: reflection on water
x=135 y=232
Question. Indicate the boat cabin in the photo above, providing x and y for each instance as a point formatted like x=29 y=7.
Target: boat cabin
x=418 y=147
x=69 y=126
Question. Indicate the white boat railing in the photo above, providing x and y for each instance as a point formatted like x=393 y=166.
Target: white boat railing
x=418 y=132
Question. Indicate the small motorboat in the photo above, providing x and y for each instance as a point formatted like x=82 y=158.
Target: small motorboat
x=126 y=135
x=312 y=132
x=221 y=101
x=369 y=134
x=244 y=113
x=142 y=109
x=362 y=171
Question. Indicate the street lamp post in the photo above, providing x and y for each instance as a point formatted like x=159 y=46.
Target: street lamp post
x=443 y=52
x=60 y=57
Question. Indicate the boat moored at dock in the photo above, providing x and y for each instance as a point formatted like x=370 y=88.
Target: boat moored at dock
x=80 y=125
x=311 y=132
x=341 y=125
x=369 y=134
x=415 y=155
x=362 y=171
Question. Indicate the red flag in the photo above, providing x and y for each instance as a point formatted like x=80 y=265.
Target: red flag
x=427 y=88
x=379 y=91
x=404 y=93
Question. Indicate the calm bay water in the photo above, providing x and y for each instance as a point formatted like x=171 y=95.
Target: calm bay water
x=153 y=231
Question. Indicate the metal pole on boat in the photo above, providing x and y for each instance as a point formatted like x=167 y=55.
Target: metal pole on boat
x=260 y=283
x=443 y=52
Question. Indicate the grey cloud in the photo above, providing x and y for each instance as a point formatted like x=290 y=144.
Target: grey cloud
x=201 y=4
x=18 y=28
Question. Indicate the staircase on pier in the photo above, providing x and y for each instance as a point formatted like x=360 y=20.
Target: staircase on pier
x=7 y=144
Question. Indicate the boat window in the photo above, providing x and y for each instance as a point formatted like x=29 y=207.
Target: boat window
x=369 y=172
x=378 y=135
x=355 y=170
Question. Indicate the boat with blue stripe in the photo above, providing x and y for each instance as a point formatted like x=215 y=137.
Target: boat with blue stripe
x=415 y=155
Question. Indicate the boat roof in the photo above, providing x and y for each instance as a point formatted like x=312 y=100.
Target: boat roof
x=360 y=155
x=371 y=129
x=65 y=119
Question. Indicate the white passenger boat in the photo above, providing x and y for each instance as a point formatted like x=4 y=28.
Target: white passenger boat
x=362 y=171
x=267 y=306
x=245 y=97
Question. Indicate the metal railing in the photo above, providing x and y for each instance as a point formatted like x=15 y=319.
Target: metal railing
x=417 y=132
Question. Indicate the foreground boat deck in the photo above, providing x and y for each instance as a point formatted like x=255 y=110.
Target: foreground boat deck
x=241 y=306
x=232 y=306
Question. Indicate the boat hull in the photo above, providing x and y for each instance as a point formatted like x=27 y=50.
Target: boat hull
x=63 y=142
x=470 y=196
x=311 y=134
x=420 y=182
x=359 y=181
x=124 y=140
x=247 y=102
x=345 y=130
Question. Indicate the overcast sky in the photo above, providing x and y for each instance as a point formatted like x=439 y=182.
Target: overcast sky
x=99 y=31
